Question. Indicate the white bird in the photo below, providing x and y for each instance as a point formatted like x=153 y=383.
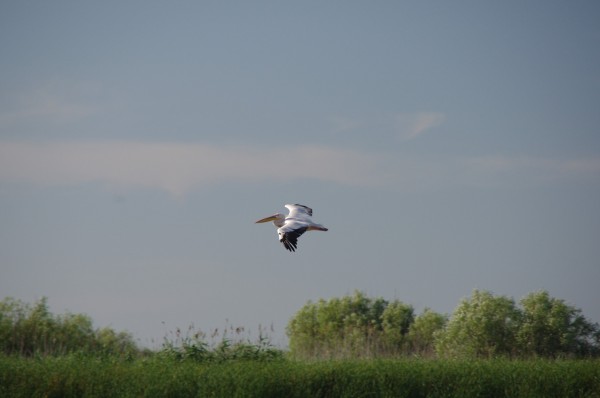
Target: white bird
x=295 y=224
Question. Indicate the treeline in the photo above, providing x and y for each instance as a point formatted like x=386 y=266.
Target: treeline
x=482 y=326
x=32 y=330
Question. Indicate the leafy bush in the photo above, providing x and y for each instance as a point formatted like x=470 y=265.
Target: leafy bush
x=551 y=328
x=482 y=326
x=422 y=332
x=487 y=326
x=360 y=327
x=31 y=330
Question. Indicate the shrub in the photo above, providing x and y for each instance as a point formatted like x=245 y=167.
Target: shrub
x=32 y=330
x=358 y=326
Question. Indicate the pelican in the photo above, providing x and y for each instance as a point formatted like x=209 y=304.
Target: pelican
x=295 y=224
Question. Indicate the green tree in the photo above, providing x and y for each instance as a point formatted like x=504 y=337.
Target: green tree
x=110 y=342
x=362 y=323
x=74 y=332
x=26 y=329
x=552 y=328
x=29 y=330
x=304 y=331
x=336 y=327
x=12 y=314
x=351 y=326
x=423 y=331
x=481 y=326
x=396 y=321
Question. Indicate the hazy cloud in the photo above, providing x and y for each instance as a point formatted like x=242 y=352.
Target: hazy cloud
x=412 y=125
x=177 y=167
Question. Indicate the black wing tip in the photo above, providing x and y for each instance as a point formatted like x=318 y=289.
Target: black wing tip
x=290 y=239
x=289 y=244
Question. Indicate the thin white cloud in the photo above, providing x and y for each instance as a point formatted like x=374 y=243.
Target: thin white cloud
x=410 y=126
x=179 y=168
x=176 y=167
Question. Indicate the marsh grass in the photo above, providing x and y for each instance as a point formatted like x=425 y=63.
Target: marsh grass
x=226 y=344
x=160 y=376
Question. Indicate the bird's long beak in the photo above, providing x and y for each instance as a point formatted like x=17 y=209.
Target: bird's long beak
x=266 y=219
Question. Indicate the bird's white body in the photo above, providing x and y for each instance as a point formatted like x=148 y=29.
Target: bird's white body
x=290 y=227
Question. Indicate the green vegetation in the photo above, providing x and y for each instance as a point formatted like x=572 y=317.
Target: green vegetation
x=482 y=326
x=489 y=326
x=74 y=375
x=230 y=345
x=351 y=327
x=28 y=330
x=387 y=351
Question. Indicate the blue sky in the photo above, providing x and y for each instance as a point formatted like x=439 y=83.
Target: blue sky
x=447 y=146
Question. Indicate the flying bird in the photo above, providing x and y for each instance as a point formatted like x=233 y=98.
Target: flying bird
x=290 y=227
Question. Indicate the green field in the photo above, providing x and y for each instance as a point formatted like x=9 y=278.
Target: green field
x=156 y=376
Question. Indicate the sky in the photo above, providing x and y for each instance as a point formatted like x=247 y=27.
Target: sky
x=447 y=146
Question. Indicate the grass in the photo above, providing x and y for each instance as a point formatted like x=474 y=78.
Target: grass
x=160 y=376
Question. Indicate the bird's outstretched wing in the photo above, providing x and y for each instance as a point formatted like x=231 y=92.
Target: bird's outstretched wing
x=299 y=211
x=289 y=237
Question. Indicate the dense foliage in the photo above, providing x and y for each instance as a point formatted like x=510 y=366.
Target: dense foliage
x=482 y=326
x=489 y=326
x=359 y=326
x=32 y=330
x=76 y=376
